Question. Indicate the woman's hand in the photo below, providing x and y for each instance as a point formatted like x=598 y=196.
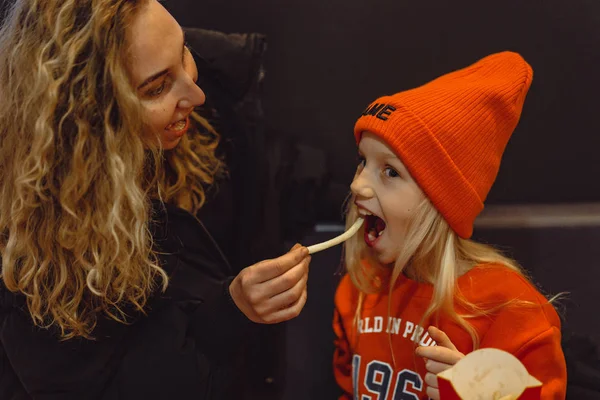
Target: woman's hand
x=273 y=291
x=437 y=359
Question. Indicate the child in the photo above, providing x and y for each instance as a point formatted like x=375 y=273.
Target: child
x=419 y=294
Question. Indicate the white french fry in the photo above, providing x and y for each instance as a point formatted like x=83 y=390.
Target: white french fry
x=336 y=240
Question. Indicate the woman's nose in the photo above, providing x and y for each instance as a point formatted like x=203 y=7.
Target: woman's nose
x=193 y=97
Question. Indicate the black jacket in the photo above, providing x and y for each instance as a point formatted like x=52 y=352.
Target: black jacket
x=182 y=349
x=243 y=213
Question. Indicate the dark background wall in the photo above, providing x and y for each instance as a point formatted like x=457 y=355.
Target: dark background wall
x=328 y=59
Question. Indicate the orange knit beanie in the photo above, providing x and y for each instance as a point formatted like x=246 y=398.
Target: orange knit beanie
x=451 y=132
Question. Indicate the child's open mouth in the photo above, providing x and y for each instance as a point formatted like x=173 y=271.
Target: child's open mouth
x=374 y=228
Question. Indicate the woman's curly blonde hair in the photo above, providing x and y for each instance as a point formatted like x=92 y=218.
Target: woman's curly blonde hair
x=76 y=173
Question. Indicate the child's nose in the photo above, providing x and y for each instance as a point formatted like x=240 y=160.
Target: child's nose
x=360 y=186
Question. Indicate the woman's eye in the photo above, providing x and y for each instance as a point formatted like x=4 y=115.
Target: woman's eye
x=186 y=52
x=157 y=91
x=390 y=172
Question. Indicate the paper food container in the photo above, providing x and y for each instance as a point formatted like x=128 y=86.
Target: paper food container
x=488 y=374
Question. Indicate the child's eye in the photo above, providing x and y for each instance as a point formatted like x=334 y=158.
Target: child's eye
x=361 y=161
x=390 y=172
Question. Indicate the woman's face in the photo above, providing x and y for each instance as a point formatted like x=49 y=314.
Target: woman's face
x=164 y=74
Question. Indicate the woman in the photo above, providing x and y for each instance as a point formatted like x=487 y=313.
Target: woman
x=111 y=288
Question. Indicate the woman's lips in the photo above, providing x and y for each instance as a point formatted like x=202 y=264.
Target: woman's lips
x=179 y=128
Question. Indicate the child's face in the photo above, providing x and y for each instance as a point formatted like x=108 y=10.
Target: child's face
x=383 y=187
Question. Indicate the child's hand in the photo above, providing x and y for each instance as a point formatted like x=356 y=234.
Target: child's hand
x=437 y=359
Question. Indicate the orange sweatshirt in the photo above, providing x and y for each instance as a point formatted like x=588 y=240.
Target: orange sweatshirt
x=363 y=352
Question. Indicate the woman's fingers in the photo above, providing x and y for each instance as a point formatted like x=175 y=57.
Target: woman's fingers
x=273 y=290
x=287 y=313
x=288 y=280
x=286 y=298
x=269 y=269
